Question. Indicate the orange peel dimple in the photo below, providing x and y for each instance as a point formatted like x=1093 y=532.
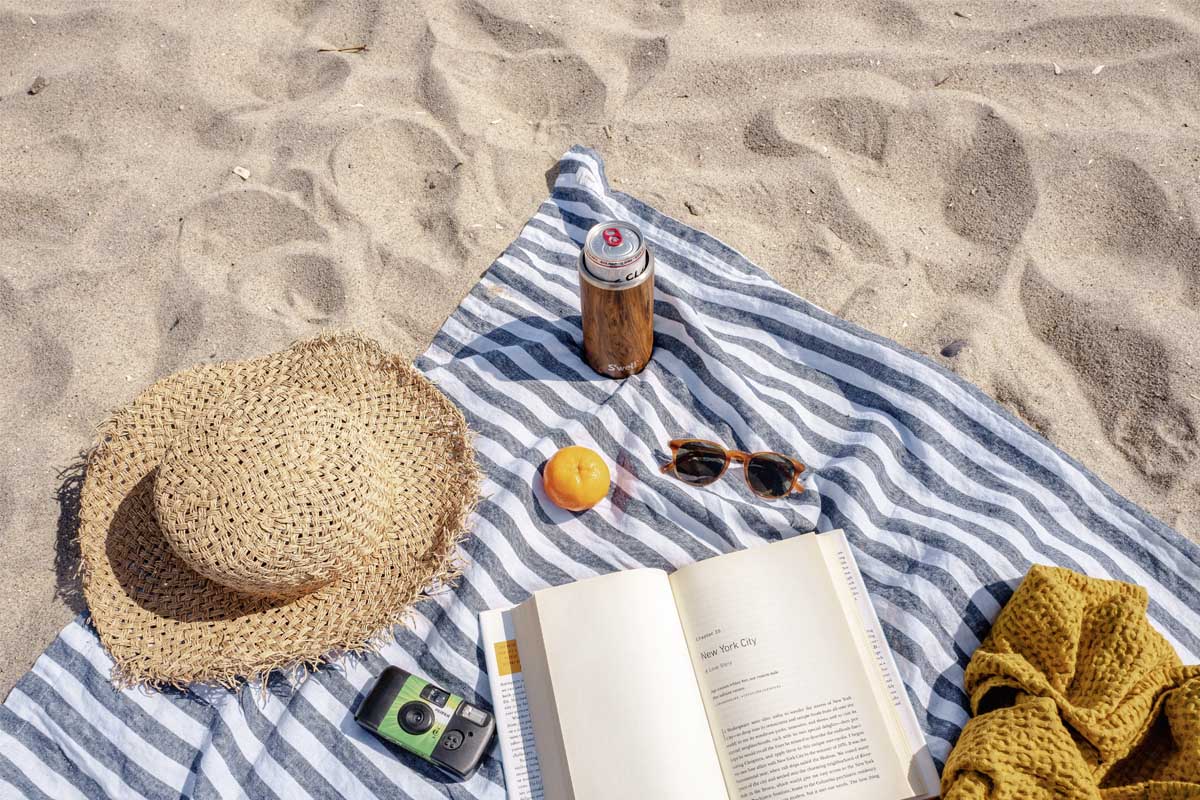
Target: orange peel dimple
x=576 y=478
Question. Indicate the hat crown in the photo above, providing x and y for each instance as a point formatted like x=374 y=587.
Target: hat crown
x=274 y=493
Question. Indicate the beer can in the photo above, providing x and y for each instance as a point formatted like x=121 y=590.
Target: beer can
x=616 y=287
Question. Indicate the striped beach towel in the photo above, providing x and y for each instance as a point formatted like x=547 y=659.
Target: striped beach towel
x=946 y=499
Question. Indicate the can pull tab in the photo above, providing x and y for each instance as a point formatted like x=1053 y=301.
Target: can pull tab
x=612 y=237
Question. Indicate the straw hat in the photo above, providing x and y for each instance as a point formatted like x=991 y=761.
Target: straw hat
x=243 y=517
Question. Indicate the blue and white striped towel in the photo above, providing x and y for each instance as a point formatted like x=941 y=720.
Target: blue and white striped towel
x=946 y=499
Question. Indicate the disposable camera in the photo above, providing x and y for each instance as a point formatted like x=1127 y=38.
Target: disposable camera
x=427 y=721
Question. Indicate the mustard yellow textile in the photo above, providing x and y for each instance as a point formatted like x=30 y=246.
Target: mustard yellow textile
x=1076 y=697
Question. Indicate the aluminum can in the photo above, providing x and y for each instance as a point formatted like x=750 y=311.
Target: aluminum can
x=615 y=256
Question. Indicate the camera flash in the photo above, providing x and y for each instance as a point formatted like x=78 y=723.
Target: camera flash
x=472 y=714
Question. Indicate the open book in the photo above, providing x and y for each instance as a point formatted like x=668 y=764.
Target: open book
x=762 y=673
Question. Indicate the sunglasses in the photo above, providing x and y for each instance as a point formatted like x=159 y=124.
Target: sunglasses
x=699 y=462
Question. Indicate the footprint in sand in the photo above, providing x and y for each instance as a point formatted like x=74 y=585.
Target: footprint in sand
x=290 y=76
x=228 y=227
x=885 y=146
x=511 y=35
x=1095 y=39
x=226 y=128
x=855 y=124
x=399 y=176
x=244 y=263
x=1113 y=239
x=302 y=286
x=1128 y=372
x=1110 y=208
x=483 y=57
x=35 y=218
x=646 y=59
x=519 y=84
x=990 y=194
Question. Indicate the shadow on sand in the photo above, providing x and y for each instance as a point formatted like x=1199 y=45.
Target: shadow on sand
x=68 y=583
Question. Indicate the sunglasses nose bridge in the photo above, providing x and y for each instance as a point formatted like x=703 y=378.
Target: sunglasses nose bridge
x=740 y=456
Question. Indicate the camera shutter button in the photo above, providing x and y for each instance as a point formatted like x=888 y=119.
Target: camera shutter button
x=452 y=740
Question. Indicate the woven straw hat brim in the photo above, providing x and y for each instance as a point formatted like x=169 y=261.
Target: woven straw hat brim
x=165 y=624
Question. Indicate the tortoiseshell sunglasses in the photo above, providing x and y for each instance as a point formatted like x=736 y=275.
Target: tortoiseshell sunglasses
x=699 y=462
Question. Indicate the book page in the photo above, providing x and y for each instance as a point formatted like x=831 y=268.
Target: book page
x=510 y=706
x=889 y=688
x=790 y=701
x=615 y=706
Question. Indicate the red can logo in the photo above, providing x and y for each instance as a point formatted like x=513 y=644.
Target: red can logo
x=612 y=237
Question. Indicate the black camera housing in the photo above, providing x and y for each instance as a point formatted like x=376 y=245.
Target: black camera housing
x=428 y=721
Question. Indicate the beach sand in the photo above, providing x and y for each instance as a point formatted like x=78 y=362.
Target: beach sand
x=1018 y=183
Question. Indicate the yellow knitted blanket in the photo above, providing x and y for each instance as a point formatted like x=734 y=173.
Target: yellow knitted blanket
x=1075 y=696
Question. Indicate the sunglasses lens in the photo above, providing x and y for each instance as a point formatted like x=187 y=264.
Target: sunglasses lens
x=699 y=463
x=770 y=475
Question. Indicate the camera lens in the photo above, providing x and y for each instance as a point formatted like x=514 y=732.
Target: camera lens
x=415 y=717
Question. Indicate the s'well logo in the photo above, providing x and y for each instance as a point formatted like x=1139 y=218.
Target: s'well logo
x=612 y=237
x=621 y=370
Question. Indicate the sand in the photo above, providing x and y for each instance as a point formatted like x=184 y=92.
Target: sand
x=1014 y=184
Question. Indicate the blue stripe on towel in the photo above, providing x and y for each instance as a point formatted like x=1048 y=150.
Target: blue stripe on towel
x=946 y=498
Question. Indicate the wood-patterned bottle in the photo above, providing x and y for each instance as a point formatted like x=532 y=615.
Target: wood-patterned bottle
x=616 y=294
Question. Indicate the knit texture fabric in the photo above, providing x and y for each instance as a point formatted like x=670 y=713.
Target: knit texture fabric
x=1075 y=696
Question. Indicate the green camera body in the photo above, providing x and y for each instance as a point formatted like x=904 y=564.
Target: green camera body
x=427 y=721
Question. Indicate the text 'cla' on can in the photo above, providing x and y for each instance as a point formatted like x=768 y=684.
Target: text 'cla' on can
x=616 y=294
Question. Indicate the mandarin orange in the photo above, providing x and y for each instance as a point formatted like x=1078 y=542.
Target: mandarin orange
x=576 y=478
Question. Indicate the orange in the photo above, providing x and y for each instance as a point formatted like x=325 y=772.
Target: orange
x=576 y=478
